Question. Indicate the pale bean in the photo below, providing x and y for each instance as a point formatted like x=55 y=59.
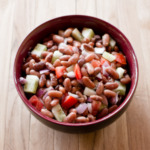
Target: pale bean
x=62 y=89
x=91 y=117
x=82 y=119
x=106 y=39
x=54 y=102
x=68 y=32
x=90 y=68
x=33 y=72
x=96 y=97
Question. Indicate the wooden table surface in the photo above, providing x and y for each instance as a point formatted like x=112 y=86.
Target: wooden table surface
x=19 y=130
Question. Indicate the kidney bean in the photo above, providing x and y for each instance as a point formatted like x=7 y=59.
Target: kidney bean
x=64 y=57
x=25 y=66
x=91 y=117
x=109 y=93
x=49 y=44
x=71 y=117
x=75 y=50
x=47 y=102
x=62 y=89
x=42 y=81
x=58 y=39
x=53 y=79
x=91 y=44
x=66 y=51
x=84 y=72
x=87 y=82
x=28 y=59
x=106 y=39
x=73 y=110
x=95 y=107
x=81 y=119
x=54 y=102
x=49 y=66
x=33 y=72
x=103 y=113
x=74 y=89
x=67 y=84
x=97 y=70
x=125 y=80
x=48 y=83
x=90 y=57
x=96 y=97
x=81 y=62
x=85 y=113
x=112 y=72
x=47 y=113
x=90 y=68
x=48 y=58
x=61 y=33
x=65 y=63
x=39 y=66
x=35 y=57
x=116 y=49
x=86 y=40
x=104 y=100
x=57 y=63
x=74 y=83
x=54 y=93
x=104 y=79
x=88 y=47
x=76 y=44
x=118 y=65
x=44 y=54
x=111 y=85
x=113 y=65
x=70 y=40
x=99 y=44
x=53 y=48
x=68 y=32
x=73 y=59
x=100 y=88
x=31 y=63
x=27 y=70
x=112 y=108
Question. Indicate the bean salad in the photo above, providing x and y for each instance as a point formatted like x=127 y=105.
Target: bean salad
x=75 y=76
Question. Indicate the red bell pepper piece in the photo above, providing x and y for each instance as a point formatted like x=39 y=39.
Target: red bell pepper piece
x=60 y=71
x=103 y=60
x=68 y=101
x=77 y=72
x=120 y=58
x=95 y=63
x=34 y=100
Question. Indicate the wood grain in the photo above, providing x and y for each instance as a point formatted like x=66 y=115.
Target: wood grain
x=20 y=130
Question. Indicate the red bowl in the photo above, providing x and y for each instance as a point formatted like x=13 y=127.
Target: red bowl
x=99 y=27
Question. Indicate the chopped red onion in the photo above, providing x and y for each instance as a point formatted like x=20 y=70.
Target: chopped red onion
x=45 y=95
x=44 y=71
x=40 y=92
x=99 y=76
x=114 y=100
x=73 y=95
x=104 y=71
x=89 y=99
x=22 y=80
x=89 y=105
x=99 y=50
x=71 y=74
x=81 y=108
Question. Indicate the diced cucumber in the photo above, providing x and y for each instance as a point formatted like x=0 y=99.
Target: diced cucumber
x=102 y=107
x=109 y=56
x=99 y=50
x=71 y=68
x=112 y=43
x=77 y=35
x=56 y=55
x=120 y=71
x=58 y=113
x=31 y=84
x=88 y=91
x=121 y=89
x=38 y=49
x=88 y=33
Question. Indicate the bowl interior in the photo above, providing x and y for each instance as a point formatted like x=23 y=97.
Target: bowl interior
x=78 y=21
